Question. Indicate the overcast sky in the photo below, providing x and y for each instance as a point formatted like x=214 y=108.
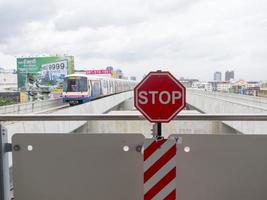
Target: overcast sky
x=190 y=38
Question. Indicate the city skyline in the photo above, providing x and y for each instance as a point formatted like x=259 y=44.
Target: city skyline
x=209 y=77
x=223 y=74
x=188 y=38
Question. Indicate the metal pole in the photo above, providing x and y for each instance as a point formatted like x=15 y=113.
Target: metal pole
x=134 y=117
x=4 y=168
x=159 y=131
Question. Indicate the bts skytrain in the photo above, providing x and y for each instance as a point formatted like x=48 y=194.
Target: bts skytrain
x=80 y=88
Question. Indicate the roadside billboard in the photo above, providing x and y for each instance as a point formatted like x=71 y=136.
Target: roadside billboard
x=44 y=71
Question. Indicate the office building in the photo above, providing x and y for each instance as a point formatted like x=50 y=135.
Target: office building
x=229 y=75
x=217 y=76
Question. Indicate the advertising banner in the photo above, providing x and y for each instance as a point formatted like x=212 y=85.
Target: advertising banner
x=43 y=71
x=99 y=71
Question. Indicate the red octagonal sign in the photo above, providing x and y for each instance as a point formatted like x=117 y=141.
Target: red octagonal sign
x=159 y=96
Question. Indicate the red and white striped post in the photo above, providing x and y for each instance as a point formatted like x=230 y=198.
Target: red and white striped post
x=159 y=169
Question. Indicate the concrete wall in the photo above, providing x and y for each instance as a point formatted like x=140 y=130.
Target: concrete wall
x=235 y=98
x=226 y=103
x=31 y=107
x=94 y=107
x=126 y=105
x=144 y=127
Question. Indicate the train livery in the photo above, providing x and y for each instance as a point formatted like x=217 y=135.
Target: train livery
x=80 y=88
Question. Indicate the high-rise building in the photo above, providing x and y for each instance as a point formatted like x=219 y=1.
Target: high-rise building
x=229 y=75
x=8 y=80
x=217 y=76
x=109 y=68
x=133 y=78
x=119 y=74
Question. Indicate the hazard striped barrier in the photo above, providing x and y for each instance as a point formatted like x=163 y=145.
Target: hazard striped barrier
x=159 y=169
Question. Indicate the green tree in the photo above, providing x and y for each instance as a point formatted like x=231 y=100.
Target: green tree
x=6 y=101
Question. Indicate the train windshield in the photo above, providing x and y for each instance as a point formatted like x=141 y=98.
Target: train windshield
x=75 y=84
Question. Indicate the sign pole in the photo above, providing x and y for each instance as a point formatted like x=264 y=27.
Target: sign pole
x=159 y=130
x=159 y=97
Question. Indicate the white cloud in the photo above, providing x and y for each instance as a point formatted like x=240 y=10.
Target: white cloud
x=191 y=38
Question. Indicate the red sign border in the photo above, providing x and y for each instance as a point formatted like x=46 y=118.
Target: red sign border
x=175 y=80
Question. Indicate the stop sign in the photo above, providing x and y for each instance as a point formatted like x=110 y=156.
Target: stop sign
x=159 y=96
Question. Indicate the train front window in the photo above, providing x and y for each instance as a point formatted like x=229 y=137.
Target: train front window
x=75 y=84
